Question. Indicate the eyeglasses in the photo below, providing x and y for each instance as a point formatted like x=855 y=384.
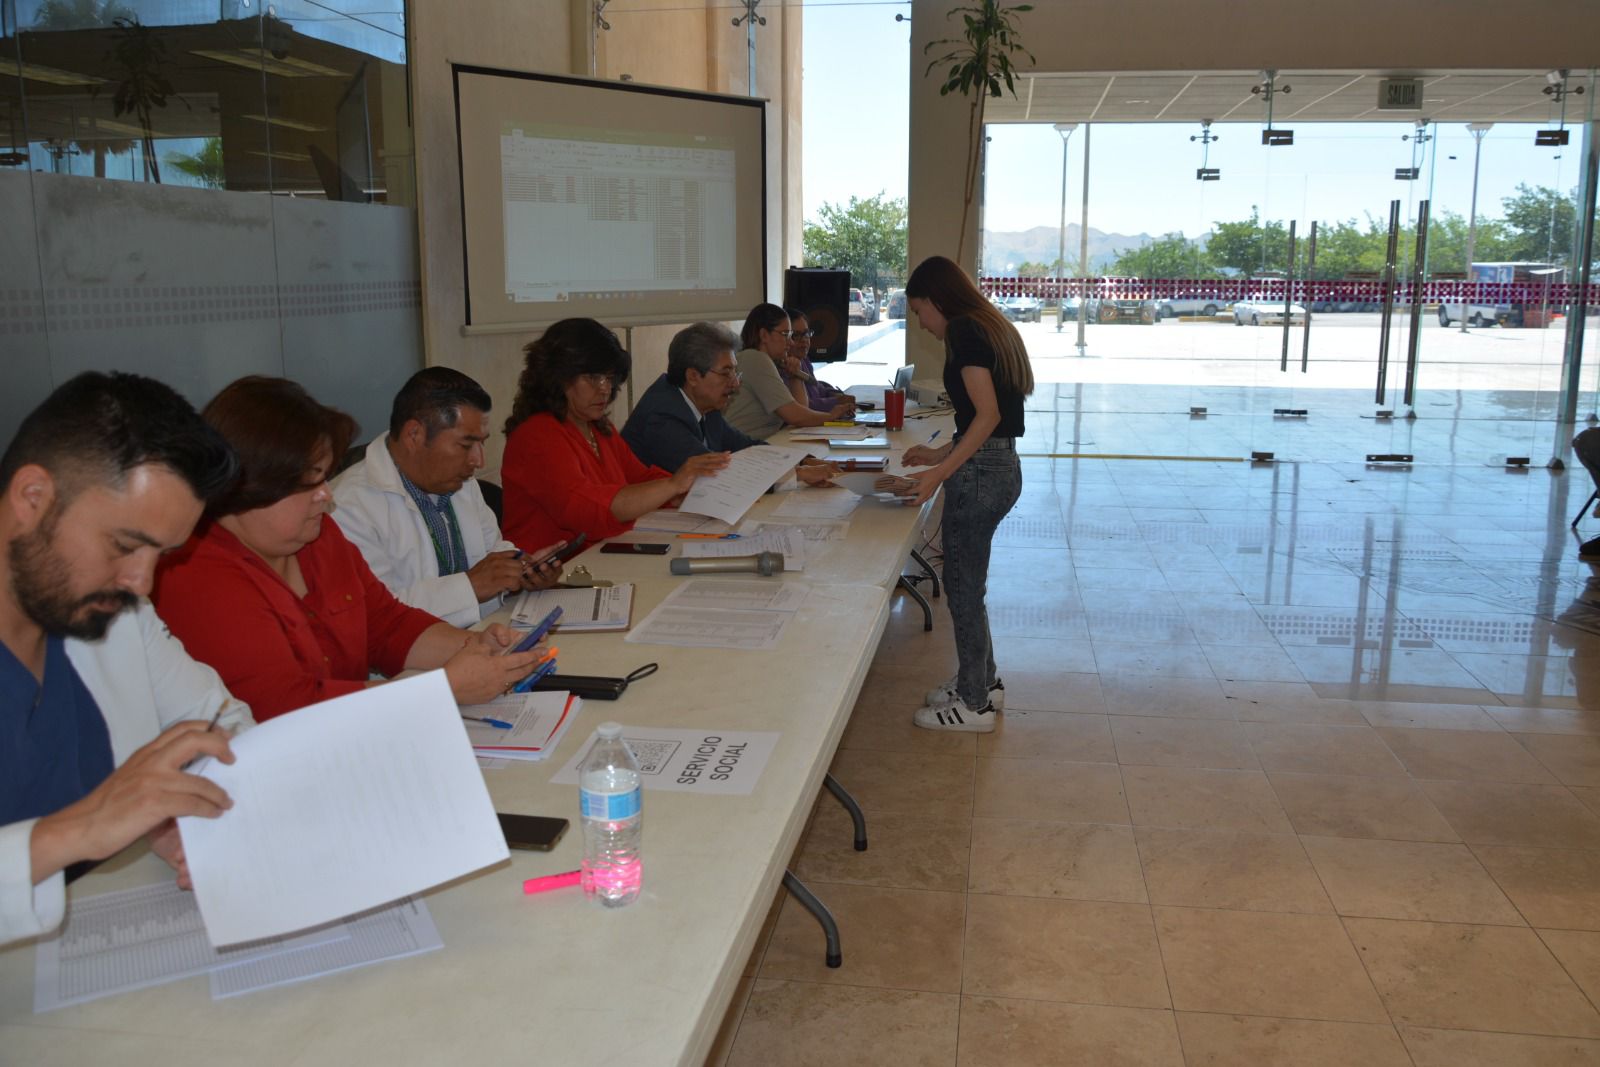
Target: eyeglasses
x=785 y=334
x=607 y=382
x=802 y=336
x=731 y=373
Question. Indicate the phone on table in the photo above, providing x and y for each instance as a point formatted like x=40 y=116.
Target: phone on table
x=537 y=632
x=635 y=548
x=564 y=553
x=537 y=832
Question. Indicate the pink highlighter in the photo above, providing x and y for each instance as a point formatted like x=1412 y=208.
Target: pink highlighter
x=551 y=881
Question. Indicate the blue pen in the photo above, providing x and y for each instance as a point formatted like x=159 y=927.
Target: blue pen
x=496 y=723
x=545 y=668
x=935 y=436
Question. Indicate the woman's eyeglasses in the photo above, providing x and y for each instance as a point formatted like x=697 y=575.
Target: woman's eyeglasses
x=802 y=336
x=607 y=382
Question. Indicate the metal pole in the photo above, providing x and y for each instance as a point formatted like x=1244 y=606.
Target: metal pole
x=1083 y=242
x=1065 y=130
x=1388 y=302
x=1577 y=310
x=1311 y=265
x=1288 y=300
x=1478 y=130
x=1417 y=260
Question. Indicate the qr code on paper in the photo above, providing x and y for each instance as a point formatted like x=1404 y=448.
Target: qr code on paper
x=652 y=755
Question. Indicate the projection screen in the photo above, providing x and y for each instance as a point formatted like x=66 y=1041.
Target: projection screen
x=629 y=204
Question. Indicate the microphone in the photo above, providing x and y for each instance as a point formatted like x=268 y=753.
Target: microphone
x=765 y=564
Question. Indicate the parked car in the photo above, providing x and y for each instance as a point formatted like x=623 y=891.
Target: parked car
x=1190 y=304
x=862 y=311
x=1021 y=308
x=1261 y=310
x=895 y=304
x=1477 y=314
x=1109 y=310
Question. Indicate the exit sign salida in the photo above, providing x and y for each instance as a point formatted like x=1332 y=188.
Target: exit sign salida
x=1400 y=94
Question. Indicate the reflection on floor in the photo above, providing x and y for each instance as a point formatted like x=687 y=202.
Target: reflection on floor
x=1300 y=765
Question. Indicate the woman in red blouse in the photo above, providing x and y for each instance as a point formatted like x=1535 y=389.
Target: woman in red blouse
x=270 y=593
x=566 y=470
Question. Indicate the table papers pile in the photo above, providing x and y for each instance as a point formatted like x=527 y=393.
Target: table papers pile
x=750 y=472
x=538 y=723
x=602 y=608
x=789 y=540
x=722 y=613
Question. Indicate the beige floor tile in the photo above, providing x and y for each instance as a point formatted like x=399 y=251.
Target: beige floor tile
x=1259 y=963
x=905 y=850
x=1049 y=790
x=1579 y=952
x=1289 y=702
x=1408 y=880
x=1174 y=698
x=1031 y=1033
x=1143 y=657
x=1495 y=813
x=1043 y=655
x=1053 y=691
x=1265 y=662
x=790 y=1024
x=1573 y=760
x=722 y=1047
x=1589 y=794
x=1151 y=741
x=1048 y=735
x=1344 y=806
x=1546 y=720
x=1237 y=1040
x=1072 y=950
x=1426 y=716
x=888 y=728
x=1203 y=799
x=892 y=938
x=903 y=682
x=1075 y=861
x=1465 y=755
x=1456 y=976
x=1315 y=749
x=1551 y=886
x=916 y=783
x=1240 y=872
x=1468 y=1048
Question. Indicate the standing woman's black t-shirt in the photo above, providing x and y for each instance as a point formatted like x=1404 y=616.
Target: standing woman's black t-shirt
x=966 y=346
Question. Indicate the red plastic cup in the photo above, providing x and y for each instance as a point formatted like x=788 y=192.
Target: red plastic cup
x=894 y=409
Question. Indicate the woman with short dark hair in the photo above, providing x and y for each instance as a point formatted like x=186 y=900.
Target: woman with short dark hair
x=566 y=470
x=270 y=593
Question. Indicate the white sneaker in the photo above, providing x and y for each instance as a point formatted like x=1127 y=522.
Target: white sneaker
x=947 y=693
x=956 y=716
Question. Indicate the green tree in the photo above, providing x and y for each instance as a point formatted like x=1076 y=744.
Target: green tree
x=866 y=237
x=1170 y=256
x=204 y=166
x=1538 y=225
x=78 y=14
x=1248 y=247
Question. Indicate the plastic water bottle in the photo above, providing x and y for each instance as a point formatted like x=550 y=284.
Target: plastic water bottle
x=609 y=799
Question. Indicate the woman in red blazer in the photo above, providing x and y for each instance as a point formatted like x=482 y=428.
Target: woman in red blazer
x=566 y=470
x=270 y=593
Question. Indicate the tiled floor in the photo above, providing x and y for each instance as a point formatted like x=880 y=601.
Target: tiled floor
x=1299 y=765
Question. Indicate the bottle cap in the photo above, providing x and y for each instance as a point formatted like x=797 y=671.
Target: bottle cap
x=610 y=731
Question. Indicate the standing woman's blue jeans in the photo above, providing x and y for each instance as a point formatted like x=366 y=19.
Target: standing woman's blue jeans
x=977 y=497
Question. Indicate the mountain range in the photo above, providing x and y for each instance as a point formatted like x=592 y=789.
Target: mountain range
x=1039 y=244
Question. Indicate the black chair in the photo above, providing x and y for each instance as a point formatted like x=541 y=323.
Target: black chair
x=352 y=455
x=495 y=497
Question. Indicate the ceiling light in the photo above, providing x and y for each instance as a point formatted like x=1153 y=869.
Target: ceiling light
x=254 y=60
x=290 y=124
x=53 y=75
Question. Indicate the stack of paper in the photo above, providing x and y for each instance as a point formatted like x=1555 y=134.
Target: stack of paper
x=602 y=608
x=537 y=723
x=789 y=540
x=817 y=504
x=665 y=520
x=750 y=472
x=722 y=613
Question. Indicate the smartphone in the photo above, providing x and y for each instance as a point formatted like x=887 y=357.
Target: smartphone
x=537 y=832
x=565 y=552
x=537 y=632
x=635 y=548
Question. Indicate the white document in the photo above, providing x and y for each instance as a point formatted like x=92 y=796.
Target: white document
x=340 y=807
x=745 y=631
x=402 y=929
x=786 y=539
x=690 y=761
x=749 y=474
x=665 y=520
x=605 y=607
x=133 y=938
x=538 y=723
x=817 y=504
x=747 y=594
x=833 y=433
x=814 y=530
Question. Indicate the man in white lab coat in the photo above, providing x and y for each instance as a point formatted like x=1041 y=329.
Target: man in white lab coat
x=416 y=512
x=100 y=707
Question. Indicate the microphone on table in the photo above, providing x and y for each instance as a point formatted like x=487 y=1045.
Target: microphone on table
x=765 y=564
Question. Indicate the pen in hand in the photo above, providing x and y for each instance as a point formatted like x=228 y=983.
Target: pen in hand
x=195 y=764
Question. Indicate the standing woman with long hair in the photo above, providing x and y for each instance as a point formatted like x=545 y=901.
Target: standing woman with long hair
x=986 y=375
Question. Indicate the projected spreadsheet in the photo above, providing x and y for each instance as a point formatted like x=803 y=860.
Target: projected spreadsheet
x=613 y=218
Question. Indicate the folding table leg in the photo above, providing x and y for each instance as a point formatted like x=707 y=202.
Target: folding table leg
x=916 y=594
x=1587 y=504
x=819 y=911
x=927 y=567
x=843 y=797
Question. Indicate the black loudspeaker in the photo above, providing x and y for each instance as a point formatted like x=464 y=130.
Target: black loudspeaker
x=824 y=295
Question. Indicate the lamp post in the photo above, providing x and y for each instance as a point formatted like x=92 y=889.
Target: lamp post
x=1065 y=130
x=1478 y=129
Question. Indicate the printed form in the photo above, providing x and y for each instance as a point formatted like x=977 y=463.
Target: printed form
x=718 y=613
x=338 y=808
x=746 y=478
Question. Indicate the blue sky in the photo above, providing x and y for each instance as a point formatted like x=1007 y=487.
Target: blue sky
x=857 y=75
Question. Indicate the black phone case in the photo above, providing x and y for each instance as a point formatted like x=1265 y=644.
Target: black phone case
x=589 y=687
